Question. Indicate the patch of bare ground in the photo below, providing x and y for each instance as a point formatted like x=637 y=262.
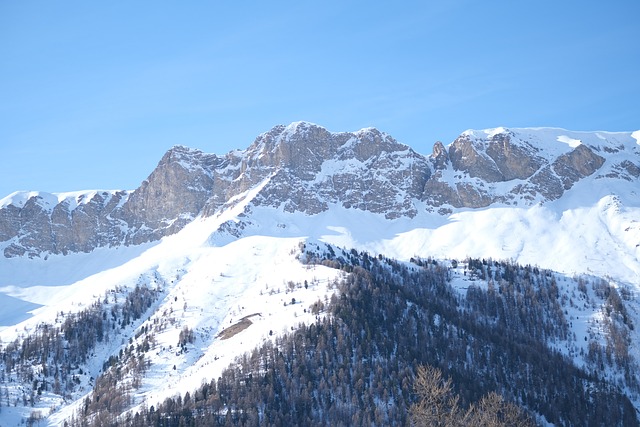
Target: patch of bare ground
x=237 y=327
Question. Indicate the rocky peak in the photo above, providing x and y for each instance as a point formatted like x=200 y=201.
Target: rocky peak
x=497 y=158
x=440 y=156
x=513 y=160
x=369 y=143
x=40 y=222
x=518 y=166
x=300 y=143
x=300 y=147
x=312 y=168
x=577 y=164
x=303 y=167
x=466 y=157
x=173 y=194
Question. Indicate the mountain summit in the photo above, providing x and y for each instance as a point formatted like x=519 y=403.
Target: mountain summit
x=305 y=168
x=317 y=270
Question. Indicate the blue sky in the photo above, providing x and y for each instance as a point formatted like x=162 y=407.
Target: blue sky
x=93 y=93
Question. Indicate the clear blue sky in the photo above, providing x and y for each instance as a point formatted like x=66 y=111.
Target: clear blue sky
x=93 y=93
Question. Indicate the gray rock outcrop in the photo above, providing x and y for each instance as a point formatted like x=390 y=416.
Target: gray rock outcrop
x=305 y=168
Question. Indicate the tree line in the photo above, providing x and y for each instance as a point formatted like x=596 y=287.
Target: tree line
x=358 y=365
x=53 y=356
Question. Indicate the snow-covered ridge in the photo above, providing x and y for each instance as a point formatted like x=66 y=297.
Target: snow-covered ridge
x=211 y=279
x=72 y=199
x=313 y=168
x=553 y=142
x=220 y=235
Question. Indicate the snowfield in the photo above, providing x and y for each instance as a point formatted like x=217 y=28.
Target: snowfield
x=210 y=281
x=214 y=288
x=236 y=279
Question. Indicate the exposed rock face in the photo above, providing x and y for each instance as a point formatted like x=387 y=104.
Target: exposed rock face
x=305 y=168
x=465 y=157
x=309 y=168
x=171 y=197
x=575 y=165
x=496 y=159
x=440 y=156
x=90 y=225
x=76 y=223
x=631 y=168
x=35 y=219
x=10 y=222
x=501 y=166
x=547 y=183
x=512 y=160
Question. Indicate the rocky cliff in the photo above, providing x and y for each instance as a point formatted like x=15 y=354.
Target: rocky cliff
x=305 y=168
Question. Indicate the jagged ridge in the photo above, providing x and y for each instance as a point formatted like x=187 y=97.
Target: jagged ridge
x=304 y=167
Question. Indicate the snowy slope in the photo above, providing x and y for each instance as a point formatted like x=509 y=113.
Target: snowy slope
x=601 y=239
x=213 y=288
x=204 y=287
x=210 y=280
x=241 y=261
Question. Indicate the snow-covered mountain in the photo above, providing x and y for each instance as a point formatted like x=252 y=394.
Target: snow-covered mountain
x=218 y=238
x=305 y=168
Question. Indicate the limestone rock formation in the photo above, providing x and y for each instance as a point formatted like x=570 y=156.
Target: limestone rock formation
x=305 y=168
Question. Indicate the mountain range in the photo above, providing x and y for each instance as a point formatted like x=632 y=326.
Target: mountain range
x=305 y=168
x=221 y=239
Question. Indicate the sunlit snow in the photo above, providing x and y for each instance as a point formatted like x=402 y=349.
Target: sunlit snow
x=573 y=143
x=210 y=279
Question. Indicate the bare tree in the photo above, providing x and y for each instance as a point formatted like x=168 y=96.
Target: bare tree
x=438 y=406
x=437 y=403
x=494 y=411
